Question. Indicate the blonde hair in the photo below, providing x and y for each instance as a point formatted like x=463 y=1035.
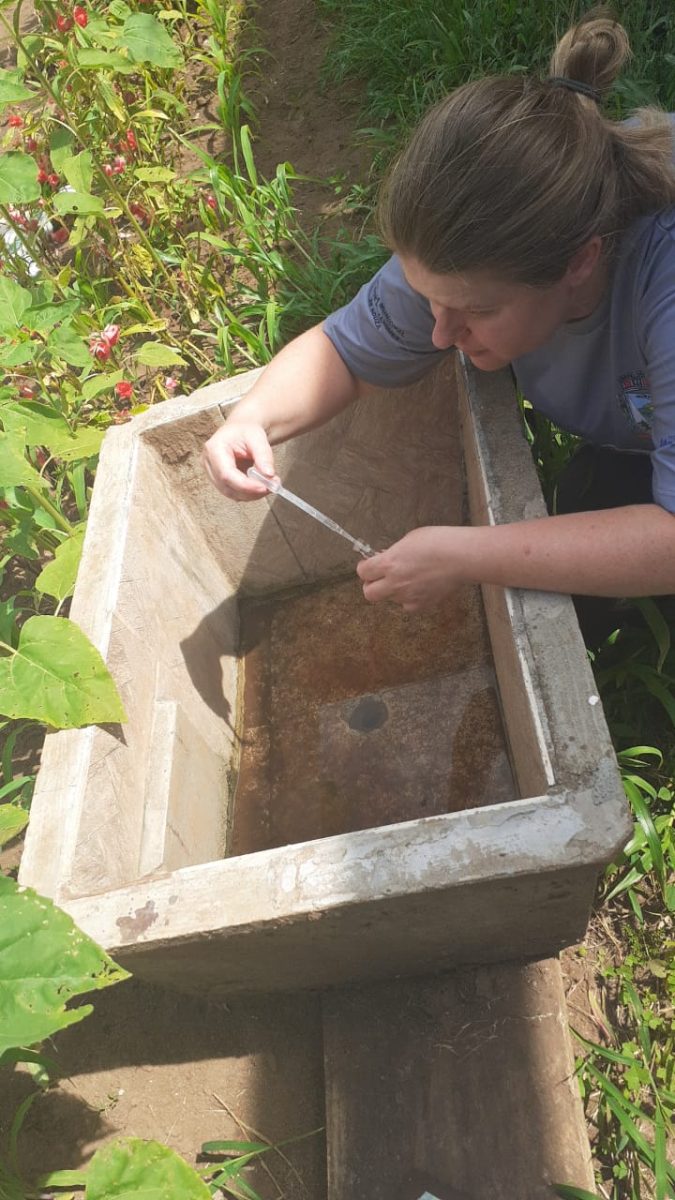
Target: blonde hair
x=515 y=174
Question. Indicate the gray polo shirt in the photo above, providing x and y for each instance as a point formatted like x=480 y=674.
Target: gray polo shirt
x=609 y=378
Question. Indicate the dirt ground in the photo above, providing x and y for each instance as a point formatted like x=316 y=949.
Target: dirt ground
x=158 y=1065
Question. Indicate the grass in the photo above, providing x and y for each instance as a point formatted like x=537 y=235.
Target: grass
x=408 y=56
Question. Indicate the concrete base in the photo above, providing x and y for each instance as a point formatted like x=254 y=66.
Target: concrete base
x=130 y=826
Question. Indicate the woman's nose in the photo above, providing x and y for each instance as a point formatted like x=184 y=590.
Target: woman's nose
x=447 y=328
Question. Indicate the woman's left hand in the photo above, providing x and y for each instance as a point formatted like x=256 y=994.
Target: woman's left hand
x=419 y=571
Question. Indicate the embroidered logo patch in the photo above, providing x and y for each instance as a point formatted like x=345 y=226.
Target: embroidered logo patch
x=635 y=400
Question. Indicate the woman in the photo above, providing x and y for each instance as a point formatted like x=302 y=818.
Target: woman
x=526 y=229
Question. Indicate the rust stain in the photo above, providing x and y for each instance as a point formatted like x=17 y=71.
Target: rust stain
x=352 y=717
x=131 y=928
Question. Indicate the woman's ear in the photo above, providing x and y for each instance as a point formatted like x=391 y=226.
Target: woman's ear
x=584 y=262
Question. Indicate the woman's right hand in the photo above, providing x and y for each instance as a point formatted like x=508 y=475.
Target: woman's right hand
x=231 y=451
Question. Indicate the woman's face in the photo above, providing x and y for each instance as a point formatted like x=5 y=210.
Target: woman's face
x=491 y=321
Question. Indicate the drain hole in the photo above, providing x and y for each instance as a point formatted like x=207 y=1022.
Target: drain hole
x=368 y=714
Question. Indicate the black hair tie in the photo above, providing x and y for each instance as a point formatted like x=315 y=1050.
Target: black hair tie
x=575 y=85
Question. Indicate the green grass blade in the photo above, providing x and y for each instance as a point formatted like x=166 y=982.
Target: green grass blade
x=573 y=1193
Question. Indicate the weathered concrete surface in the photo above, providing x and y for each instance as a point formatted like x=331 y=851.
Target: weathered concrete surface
x=165 y=564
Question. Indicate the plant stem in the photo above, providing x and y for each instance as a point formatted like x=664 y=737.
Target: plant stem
x=50 y=508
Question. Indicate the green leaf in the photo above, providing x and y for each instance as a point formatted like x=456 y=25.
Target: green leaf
x=12 y=821
x=57 y=579
x=61 y=1179
x=57 y=677
x=61 y=144
x=105 y=60
x=18 y=178
x=147 y=40
x=39 y=425
x=81 y=203
x=17 y=354
x=155 y=174
x=14 y=470
x=45 y=960
x=14 y=301
x=12 y=89
x=43 y=317
x=153 y=354
x=230 y=1147
x=144 y=1170
x=79 y=171
x=100 y=383
x=110 y=98
x=658 y=626
x=65 y=343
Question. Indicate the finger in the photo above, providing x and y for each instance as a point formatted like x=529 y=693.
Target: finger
x=380 y=589
x=229 y=480
x=372 y=568
x=261 y=452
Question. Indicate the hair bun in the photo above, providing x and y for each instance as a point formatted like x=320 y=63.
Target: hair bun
x=593 y=51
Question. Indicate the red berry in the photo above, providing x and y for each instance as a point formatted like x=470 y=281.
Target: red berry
x=53 y=180
x=63 y=24
x=42 y=175
x=15 y=121
x=80 y=15
x=124 y=390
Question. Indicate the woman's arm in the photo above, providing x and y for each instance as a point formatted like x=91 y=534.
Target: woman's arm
x=305 y=385
x=614 y=552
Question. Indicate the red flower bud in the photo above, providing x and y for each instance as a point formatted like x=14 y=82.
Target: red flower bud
x=31 y=145
x=42 y=175
x=27 y=391
x=131 y=140
x=107 y=169
x=80 y=15
x=111 y=333
x=99 y=347
x=212 y=203
x=53 y=180
x=15 y=121
x=59 y=235
x=63 y=24
x=124 y=390
x=119 y=164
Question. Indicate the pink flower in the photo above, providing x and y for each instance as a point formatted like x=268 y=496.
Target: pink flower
x=124 y=390
x=111 y=333
x=100 y=347
x=119 y=164
x=171 y=384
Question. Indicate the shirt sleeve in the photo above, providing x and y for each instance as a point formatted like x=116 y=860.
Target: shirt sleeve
x=384 y=334
x=659 y=347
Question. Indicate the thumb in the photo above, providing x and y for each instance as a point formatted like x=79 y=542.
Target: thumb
x=261 y=451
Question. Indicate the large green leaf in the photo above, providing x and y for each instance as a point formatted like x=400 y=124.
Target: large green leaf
x=38 y=425
x=57 y=579
x=14 y=470
x=12 y=88
x=81 y=203
x=147 y=40
x=69 y=345
x=61 y=142
x=144 y=1171
x=18 y=178
x=12 y=821
x=105 y=60
x=17 y=354
x=56 y=676
x=45 y=960
x=44 y=316
x=153 y=354
x=79 y=171
x=14 y=300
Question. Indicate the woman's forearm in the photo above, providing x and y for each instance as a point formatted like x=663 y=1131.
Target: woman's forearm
x=305 y=385
x=613 y=552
